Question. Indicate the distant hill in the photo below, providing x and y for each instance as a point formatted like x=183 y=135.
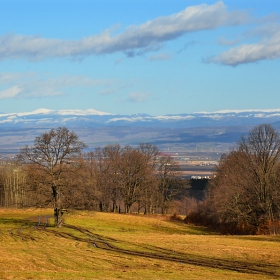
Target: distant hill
x=195 y=131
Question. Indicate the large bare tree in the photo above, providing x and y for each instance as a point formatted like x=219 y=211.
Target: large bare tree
x=54 y=152
x=262 y=151
x=246 y=189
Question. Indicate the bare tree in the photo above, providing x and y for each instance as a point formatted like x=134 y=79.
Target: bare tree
x=245 y=192
x=53 y=152
x=134 y=173
x=111 y=155
x=229 y=194
x=90 y=193
x=101 y=176
x=149 y=191
x=169 y=183
x=123 y=175
x=262 y=151
x=13 y=185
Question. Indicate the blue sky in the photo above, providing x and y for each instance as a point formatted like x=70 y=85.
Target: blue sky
x=139 y=56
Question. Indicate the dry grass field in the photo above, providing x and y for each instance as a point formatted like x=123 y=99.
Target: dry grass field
x=112 y=246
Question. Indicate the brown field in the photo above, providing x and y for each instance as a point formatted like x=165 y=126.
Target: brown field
x=112 y=246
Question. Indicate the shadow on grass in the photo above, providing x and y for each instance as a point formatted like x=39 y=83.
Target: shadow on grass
x=192 y=229
x=13 y=221
x=263 y=238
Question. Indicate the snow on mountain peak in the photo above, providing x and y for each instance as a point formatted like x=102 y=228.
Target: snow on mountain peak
x=35 y=112
x=241 y=111
x=82 y=112
x=92 y=117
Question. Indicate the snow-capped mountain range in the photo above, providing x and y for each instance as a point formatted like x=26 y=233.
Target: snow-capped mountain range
x=216 y=130
x=94 y=118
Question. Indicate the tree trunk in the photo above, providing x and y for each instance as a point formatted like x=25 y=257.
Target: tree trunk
x=58 y=217
x=127 y=208
x=115 y=207
x=57 y=206
x=164 y=209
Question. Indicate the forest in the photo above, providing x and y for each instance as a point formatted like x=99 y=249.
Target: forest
x=242 y=198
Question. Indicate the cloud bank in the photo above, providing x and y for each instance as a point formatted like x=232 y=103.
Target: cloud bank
x=147 y=36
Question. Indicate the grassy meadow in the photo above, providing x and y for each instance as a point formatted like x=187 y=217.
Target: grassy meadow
x=95 y=245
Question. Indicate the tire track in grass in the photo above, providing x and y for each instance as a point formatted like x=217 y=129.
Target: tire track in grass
x=153 y=252
x=100 y=242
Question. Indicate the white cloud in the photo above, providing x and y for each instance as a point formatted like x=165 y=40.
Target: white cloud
x=226 y=42
x=115 y=86
x=147 y=36
x=39 y=85
x=10 y=92
x=138 y=97
x=268 y=48
x=107 y=91
x=118 y=61
x=161 y=56
x=7 y=77
x=10 y=77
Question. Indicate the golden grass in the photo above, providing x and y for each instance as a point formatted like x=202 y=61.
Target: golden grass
x=111 y=246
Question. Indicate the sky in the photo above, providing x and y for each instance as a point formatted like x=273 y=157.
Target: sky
x=156 y=57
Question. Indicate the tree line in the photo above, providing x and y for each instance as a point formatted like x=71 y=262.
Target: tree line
x=242 y=198
x=55 y=172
